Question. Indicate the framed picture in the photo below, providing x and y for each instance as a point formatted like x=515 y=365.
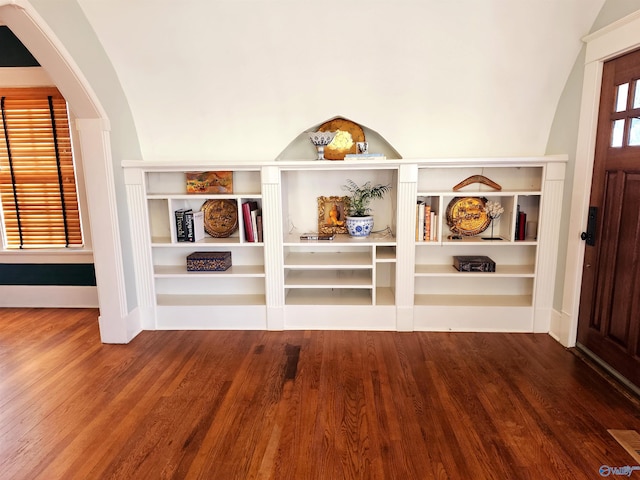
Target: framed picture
x=209 y=182
x=332 y=214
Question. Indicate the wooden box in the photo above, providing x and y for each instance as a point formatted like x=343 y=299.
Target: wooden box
x=474 y=264
x=208 y=261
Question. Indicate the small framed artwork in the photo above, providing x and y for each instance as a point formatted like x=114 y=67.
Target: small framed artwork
x=209 y=182
x=331 y=214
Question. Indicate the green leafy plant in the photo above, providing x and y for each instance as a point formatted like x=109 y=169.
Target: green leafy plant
x=360 y=197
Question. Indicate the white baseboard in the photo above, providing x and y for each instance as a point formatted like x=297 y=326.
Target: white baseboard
x=135 y=323
x=561 y=329
x=48 y=296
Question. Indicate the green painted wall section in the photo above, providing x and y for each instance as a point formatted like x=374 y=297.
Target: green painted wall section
x=12 y=52
x=60 y=274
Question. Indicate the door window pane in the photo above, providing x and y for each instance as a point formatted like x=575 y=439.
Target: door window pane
x=621 y=97
x=634 y=132
x=617 y=133
x=636 y=96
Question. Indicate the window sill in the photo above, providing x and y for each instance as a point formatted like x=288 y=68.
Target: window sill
x=47 y=255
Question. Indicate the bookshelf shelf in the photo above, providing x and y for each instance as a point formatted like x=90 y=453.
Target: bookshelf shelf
x=320 y=260
x=385 y=254
x=329 y=297
x=475 y=300
x=233 y=240
x=180 y=271
x=345 y=270
x=328 y=279
x=390 y=280
x=202 y=197
x=210 y=300
x=450 y=271
x=437 y=284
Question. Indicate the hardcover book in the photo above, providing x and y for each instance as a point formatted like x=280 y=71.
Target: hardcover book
x=249 y=217
x=181 y=233
x=522 y=222
x=194 y=226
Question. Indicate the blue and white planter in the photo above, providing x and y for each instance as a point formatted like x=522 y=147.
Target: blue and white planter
x=359 y=226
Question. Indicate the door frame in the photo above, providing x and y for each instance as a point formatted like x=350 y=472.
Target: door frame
x=611 y=41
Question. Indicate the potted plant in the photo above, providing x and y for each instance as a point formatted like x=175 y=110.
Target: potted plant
x=359 y=222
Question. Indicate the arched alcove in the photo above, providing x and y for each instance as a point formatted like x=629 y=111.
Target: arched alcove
x=301 y=148
x=92 y=125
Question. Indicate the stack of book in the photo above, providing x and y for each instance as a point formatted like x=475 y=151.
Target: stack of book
x=189 y=225
x=426 y=223
x=252 y=216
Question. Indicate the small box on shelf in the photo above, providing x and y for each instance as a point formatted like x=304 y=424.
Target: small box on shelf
x=208 y=261
x=480 y=263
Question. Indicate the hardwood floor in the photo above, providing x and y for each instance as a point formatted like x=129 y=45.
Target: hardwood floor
x=298 y=405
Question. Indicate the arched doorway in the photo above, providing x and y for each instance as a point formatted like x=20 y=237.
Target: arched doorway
x=116 y=324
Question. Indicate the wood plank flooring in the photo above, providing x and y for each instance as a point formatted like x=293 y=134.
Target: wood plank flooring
x=298 y=405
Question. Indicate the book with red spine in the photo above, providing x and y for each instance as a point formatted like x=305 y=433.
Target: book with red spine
x=249 y=230
x=522 y=222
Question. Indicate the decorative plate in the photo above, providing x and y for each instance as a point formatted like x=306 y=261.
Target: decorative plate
x=348 y=135
x=467 y=216
x=220 y=217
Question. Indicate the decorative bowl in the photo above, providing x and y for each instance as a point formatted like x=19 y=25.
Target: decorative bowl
x=321 y=140
x=359 y=226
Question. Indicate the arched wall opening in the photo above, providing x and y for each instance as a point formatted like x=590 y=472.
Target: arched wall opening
x=93 y=130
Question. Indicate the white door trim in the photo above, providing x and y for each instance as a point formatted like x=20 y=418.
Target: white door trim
x=616 y=39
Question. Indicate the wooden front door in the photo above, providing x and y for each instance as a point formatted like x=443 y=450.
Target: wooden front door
x=609 y=318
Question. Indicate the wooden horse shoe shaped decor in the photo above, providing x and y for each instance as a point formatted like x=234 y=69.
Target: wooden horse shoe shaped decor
x=477 y=179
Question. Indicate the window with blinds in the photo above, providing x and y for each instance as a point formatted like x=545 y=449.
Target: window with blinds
x=37 y=175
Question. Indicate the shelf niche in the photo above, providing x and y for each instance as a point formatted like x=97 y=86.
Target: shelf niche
x=301 y=147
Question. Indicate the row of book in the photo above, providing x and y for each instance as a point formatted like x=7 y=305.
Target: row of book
x=426 y=223
x=252 y=216
x=189 y=225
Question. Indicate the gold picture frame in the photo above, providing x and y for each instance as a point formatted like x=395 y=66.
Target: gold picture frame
x=332 y=213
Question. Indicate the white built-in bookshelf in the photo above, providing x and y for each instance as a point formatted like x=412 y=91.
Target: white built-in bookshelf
x=389 y=281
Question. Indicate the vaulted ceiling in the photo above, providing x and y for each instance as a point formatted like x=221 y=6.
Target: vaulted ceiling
x=239 y=79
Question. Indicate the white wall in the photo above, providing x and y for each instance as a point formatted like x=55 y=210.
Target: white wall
x=238 y=80
x=68 y=22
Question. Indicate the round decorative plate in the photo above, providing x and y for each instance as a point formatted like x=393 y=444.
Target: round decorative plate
x=344 y=142
x=467 y=216
x=220 y=217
